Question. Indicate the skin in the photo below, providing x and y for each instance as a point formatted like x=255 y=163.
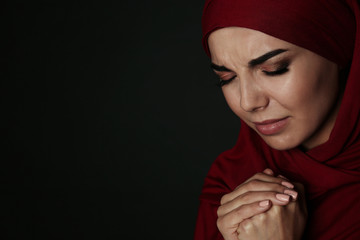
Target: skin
x=280 y=222
x=307 y=95
x=242 y=216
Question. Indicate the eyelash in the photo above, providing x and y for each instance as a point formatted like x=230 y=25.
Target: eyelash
x=224 y=82
x=281 y=70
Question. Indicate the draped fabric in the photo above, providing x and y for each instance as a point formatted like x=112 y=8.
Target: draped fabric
x=331 y=171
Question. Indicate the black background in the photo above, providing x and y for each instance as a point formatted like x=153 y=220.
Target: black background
x=110 y=119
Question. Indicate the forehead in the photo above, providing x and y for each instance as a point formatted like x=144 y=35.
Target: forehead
x=242 y=44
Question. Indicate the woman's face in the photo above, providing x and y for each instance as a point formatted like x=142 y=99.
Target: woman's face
x=287 y=94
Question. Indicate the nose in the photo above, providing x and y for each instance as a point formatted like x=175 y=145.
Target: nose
x=252 y=96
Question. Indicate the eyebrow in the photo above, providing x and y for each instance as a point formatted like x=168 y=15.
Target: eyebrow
x=265 y=57
x=219 y=68
x=252 y=63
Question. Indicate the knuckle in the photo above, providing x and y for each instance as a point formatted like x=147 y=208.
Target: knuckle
x=245 y=197
x=245 y=226
x=219 y=211
x=252 y=184
x=258 y=175
x=239 y=211
x=277 y=189
x=277 y=209
x=239 y=186
x=220 y=223
x=262 y=217
x=280 y=188
x=224 y=199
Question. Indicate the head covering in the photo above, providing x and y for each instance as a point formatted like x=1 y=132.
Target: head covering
x=324 y=27
x=331 y=171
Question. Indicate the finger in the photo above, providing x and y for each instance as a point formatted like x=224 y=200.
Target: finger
x=276 y=198
x=269 y=178
x=268 y=171
x=293 y=194
x=230 y=222
x=256 y=185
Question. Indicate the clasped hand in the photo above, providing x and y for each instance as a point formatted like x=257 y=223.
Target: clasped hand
x=263 y=207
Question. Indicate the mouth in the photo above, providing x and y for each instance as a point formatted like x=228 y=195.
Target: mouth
x=271 y=126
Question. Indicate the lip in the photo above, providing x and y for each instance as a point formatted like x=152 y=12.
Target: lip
x=271 y=126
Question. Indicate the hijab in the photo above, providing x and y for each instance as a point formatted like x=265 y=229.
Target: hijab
x=330 y=172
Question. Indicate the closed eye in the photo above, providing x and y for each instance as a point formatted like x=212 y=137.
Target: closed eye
x=225 y=77
x=276 y=72
x=281 y=69
x=223 y=82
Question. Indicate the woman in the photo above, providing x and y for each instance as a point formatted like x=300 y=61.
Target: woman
x=291 y=71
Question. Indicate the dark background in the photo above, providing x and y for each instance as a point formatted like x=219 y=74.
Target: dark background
x=110 y=119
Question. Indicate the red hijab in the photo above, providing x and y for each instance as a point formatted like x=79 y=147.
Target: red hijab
x=331 y=171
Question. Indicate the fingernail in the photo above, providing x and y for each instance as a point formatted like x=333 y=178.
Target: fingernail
x=283 y=197
x=264 y=203
x=287 y=184
x=292 y=193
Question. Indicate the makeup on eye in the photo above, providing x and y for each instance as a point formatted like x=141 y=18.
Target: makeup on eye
x=268 y=69
x=225 y=77
x=271 y=64
x=276 y=69
x=224 y=82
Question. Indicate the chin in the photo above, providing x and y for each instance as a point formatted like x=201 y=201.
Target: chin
x=280 y=144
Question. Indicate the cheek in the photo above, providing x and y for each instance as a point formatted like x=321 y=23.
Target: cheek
x=309 y=95
x=295 y=92
x=312 y=83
